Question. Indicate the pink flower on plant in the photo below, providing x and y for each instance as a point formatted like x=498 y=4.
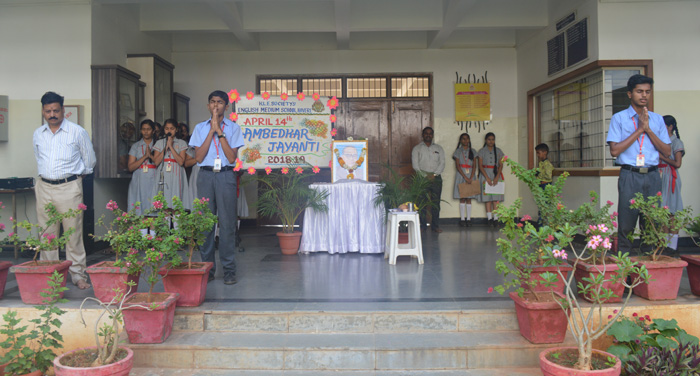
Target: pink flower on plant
x=632 y=201
x=614 y=224
x=251 y=170
x=560 y=206
x=233 y=96
x=607 y=244
x=666 y=207
x=610 y=316
x=550 y=238
x=2 y=226
x=11 y=234
x=268 y=170
x=112 y=205
x=334 y=132
x=614 y=213
x=316 y=169
x=177 y=240
x=250 y=95
x=284 y=96
x=299 y=170
x=233 y=116
x=615 y=311
x=50 y=237
x=610 y=203
x=520 y=225
x=301 y=96
x=635 y=314
x=490 y=290
x=285 y=170
x=332 y=103
x=602 y=227
x=658 y=193
x=526 y=217
x=315 y=96
x=266 y=95
x=505 y=158
x=157 y=204
x=82 y=206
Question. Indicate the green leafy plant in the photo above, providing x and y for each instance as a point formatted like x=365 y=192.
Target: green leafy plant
x=286 y=193
x=40 y=238
x=124 y=235
x=396 y=189
x=581 y=324
x=34 y=350
x=653 y=361
x=658 y=222
x=634 y=334
x=192 y=226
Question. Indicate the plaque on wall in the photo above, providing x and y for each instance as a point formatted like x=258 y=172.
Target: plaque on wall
x=577 y=43
x=556 y=54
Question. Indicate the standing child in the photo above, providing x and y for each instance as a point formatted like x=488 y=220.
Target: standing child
x=490 y=167
x=464 y=163
x=670 y=179
x=170 y=159
x=143 y=177
x=544 y=171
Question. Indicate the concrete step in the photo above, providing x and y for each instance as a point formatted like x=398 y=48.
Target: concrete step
x=368 y=352
x=193 y=320
x=213 y=372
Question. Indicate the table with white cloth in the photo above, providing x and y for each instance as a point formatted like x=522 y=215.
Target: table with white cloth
x=353 y=222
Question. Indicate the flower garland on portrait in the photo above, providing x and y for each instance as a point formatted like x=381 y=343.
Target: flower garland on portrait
x=354 y=167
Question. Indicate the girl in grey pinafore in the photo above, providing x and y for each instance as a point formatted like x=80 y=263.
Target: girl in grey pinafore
x=143 y=177
x=171 y=178
x=669 y=166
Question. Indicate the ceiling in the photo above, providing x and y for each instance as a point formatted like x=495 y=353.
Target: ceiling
x=264 y=25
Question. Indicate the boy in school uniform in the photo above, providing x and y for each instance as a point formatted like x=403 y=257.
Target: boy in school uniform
x=544 y=171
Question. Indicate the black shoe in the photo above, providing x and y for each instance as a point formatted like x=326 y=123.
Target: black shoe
x=462 y=223
x=230 y=280
x=468 y=223
x=492 y=223
x=211 y=278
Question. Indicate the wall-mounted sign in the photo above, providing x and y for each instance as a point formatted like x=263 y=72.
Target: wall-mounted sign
x=4 y=118
x=281 y=132
x=473 y=102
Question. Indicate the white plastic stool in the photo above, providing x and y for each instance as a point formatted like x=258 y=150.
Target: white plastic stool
x=414 y=247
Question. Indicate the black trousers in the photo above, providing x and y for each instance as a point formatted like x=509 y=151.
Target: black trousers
x=434 y=191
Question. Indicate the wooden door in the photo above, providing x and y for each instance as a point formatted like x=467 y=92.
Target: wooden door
x=370 y=120
x=408 y=118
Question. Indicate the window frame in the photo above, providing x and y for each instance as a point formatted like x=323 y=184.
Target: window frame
x=532 y=108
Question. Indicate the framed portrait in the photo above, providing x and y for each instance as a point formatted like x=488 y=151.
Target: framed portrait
x=349 y=160
x=72 y=113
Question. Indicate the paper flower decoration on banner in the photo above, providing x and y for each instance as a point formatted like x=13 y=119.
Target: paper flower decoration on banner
x=301 y=96
x=315 y=96
x=268 y=170
x=251 y=170
x=284 y=96
x=233 y=96
x=330 y=163
x=238 y=165
x=233 y=116
x=334 y=132
x=316 y=169
x=250 y=95
x=333 y=118
x=299 y=170
x=285 y=170
x=266 y=95
x=333 y=103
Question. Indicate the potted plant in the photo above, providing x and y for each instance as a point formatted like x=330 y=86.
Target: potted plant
x=106 y=357
x=693 y=260
x=665 y=271
x=33 y=276
x=32 y=352
x=125 y=237
x=287 y=194
x=4 y=265
x=586 y=325
x=521 y=248
x=646 y=345
x=150 y=316
x=189 y=279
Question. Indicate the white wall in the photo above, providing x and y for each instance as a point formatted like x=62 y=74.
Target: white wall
x=198 y=73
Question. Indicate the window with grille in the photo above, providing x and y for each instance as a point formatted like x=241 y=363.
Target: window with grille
x=573 y=118
x=366 y=87
x=278 y=86
x=410 y=87
x=326 y=87
x=346 y=86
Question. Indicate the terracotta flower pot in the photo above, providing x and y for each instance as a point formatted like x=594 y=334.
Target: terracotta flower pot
x=289 y=243
x=106 y=278
x=559 y=286
x=149 y=326
x=664 y=278
x=585 y=270
x=4 y=269
x=550 y=368
x=191 y=284
x=32 y=278
x=120 y=368
x=693 y=272
x=540 y=322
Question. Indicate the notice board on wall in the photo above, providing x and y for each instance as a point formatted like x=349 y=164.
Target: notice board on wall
x=285 y=132
x=568 y=48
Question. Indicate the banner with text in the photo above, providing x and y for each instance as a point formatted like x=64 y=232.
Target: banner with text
x=472 y=102
x=281 y=132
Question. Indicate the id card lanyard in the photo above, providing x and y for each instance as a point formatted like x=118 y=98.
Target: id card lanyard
x=144 y=166
x=640 y=156
x=217 y=161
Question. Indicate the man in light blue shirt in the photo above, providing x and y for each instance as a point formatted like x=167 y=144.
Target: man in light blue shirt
x=216 y=142
x=64 y=154
x=636 y=137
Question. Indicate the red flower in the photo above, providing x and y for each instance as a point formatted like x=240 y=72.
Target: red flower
x=233 y=96
x=82 y=206
x=332 y=103
x=284 y=96
x=635 y=314
x=333 y=118
x=301 y=96
x=658 y=193
x=250 y=95
x=490 y=290
x=266 y=95
x=334 y=132
x=316 y=169
x=299 y=170
x=285 y=170
x=233 y=116
x=315 y=96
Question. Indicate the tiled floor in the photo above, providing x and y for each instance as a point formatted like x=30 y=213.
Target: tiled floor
x=458 y=269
